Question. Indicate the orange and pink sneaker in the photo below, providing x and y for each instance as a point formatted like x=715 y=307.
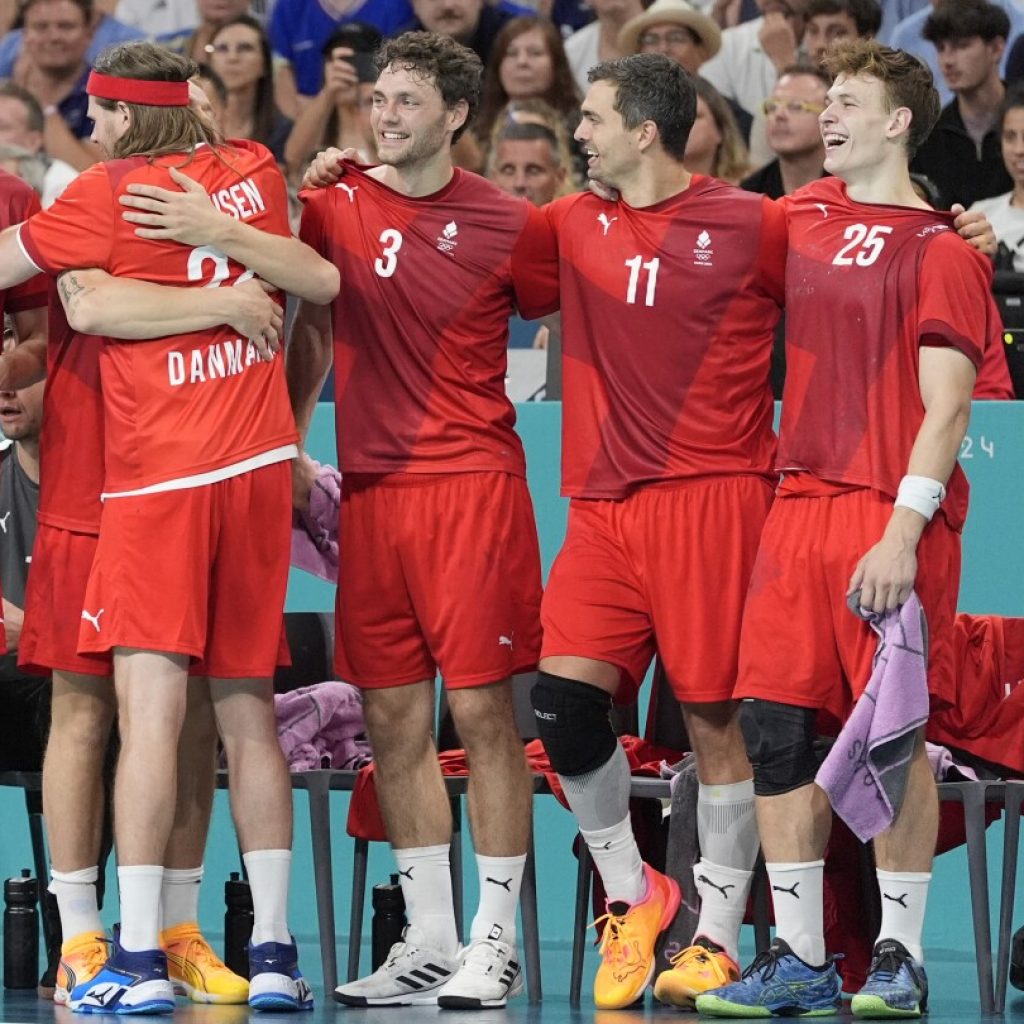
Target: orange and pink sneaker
x=695 y=970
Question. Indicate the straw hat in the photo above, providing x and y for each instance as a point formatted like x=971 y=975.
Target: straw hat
x=672 y=11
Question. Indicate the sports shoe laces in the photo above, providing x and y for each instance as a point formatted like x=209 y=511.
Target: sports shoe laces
x=887 y=963
x=94 y=955
x=612 y=938
x=765 y=963
x=481 y=957
x=198 y=951
x=693 y=954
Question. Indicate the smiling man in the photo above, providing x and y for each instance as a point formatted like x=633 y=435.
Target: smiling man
x=869 y=510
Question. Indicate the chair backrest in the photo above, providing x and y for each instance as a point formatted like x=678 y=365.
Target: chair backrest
x=1008 y=289
x=311 y=640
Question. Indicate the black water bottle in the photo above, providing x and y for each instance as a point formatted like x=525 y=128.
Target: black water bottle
x=238 y=920
x=21 y=931
x=388 y=919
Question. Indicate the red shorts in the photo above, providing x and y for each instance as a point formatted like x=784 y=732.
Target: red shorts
x=201 y=571
x=54 y=598
x=438 y=572
x=664 y=570
x=801 y=644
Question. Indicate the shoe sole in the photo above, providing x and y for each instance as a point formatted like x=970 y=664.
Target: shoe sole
x=182 y=988
x=675 y=897
x=279 y=1003
x=154 y=1006
x=715 y=1007
x=474 y=1003
x=876 y=1008
x=427 y=999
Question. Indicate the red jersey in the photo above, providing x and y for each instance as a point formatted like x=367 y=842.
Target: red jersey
x=421 y=321
x=866 y=286
x=17 y=203
x=71 y=444
x=190 y=409
x=668 y=314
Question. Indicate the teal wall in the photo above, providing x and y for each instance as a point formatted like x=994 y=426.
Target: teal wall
x=993 y=575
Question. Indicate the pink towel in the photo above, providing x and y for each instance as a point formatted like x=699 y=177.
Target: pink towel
x=322 y=726
x=315 y=532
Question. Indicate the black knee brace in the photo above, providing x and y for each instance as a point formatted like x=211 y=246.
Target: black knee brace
x=780 y=745
x=573 y=722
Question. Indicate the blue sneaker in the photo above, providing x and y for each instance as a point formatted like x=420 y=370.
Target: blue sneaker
x=127 y=983
x=275 y=981
x=777 y=984
x=896 y=986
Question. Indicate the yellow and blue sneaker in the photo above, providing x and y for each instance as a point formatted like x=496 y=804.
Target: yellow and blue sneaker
x=896 y=985
x=128 y=982
x=196 y=971
x=81 y=959
x=777 y=984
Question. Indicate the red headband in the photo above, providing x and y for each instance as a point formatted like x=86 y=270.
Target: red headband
x=138 y=90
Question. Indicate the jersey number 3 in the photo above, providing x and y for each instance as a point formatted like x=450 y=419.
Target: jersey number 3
x=386 y=263
x=869 y=243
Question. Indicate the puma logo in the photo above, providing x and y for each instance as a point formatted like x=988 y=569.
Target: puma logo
x=792 y=892
x=721 y=888
x=505 y=641
x=94 y=619
x=350 y=190
x=823 y=208
x=3 y=522
x=506 y=885
x=606 y=846
x=901 y=900
x=602 y=219
x=406 y=874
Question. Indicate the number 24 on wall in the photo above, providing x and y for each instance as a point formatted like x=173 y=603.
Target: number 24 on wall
x=869 y=243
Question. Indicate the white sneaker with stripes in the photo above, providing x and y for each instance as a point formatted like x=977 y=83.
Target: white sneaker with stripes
x=488 y=976
x=412 y=975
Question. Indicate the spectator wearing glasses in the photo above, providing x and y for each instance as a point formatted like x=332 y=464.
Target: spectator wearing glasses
x=792 y=113
x=676 y=29
x=825 y=21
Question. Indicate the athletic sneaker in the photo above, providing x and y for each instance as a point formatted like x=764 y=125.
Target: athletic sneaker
x=81 y=959
x=777 y=984
x=196 y=971
x=627 y=945
x=411 y=975
x=696 y=969
x=275 y=981
x=488 y=976
x=127 y=983
x=896 y=985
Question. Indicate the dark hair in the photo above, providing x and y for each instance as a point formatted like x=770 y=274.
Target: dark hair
x=562 y=94
x=33 y=110
x=454 y=69
x=207 y=74
x=908 y=81
x=85 y=6
x=264 y=112
x=866 y=14
x=1013 y=99
x=356 y=35
x=515 y=131
x=651 y=87
x=154 y=131
x=953 y=20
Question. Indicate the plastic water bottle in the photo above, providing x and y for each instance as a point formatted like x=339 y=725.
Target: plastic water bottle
x=238 y=918
x=388 y=919
x=21 y=931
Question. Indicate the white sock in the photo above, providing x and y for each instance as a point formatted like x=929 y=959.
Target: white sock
x=904 y=897
x=500 y=880
x=268 y=872
x=618 y=861
x=139 y=886
x=76 y=900
x=723 y=902
x=426 y=878
x=179 y=896
x=799 y=908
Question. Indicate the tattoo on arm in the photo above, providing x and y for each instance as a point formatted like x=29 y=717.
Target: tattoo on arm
x=70 y=286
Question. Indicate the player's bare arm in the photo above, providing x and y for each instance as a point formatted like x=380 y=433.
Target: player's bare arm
x=15 y=266
x=885 y=575
x=24 y=364
x=307 y=362
x=189 y=217
x=130 y=310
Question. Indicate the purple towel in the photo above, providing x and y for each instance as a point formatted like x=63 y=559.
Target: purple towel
x=865 y=773
x=315 y=532
x=322 y=726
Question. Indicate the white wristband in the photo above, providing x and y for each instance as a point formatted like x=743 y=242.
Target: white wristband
x=922 y=494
